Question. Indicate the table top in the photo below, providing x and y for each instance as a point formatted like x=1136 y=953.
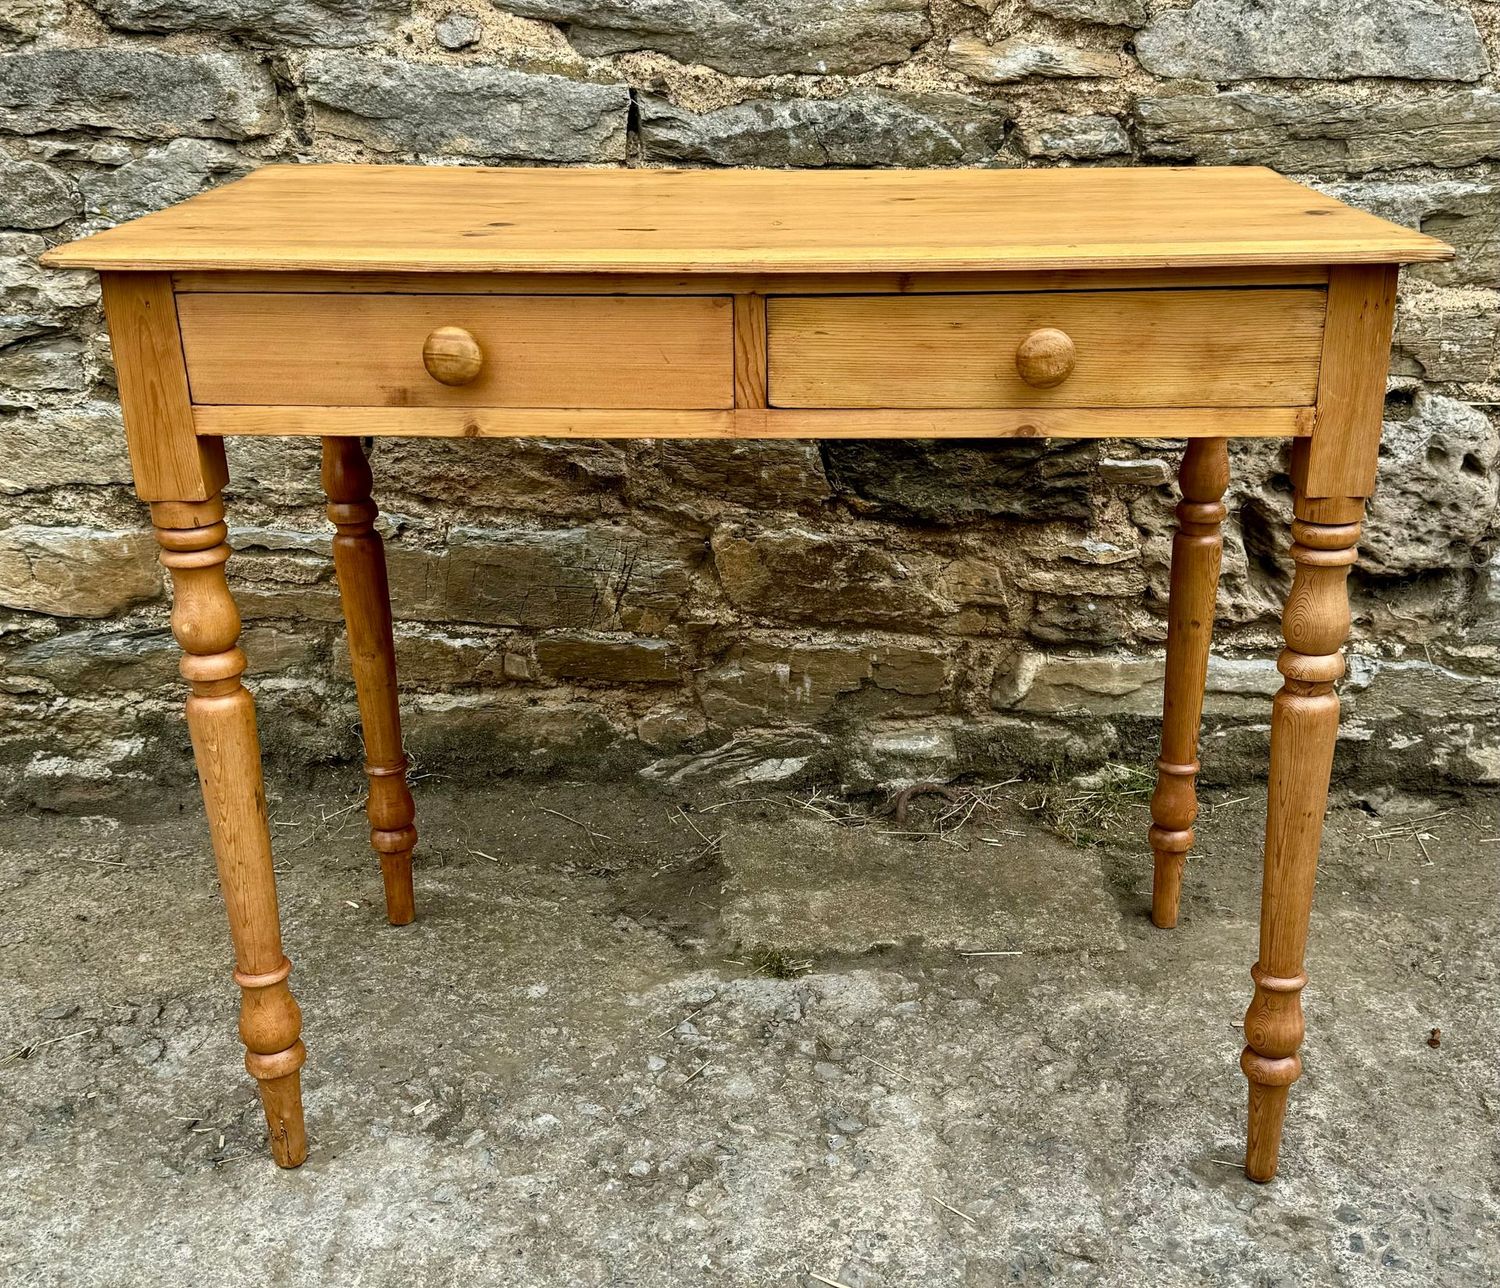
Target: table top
x=363 y=218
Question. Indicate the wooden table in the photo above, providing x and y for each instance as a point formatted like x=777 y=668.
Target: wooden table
x=340 y=301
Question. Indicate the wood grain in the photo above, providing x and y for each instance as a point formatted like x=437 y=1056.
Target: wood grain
x=1343 y=455
x=221 y=720
x=495 y=422
x=354 y=218
x=169 y=462
x=750 y=380
x=539 y=351
x=364 y=589
x=1304 y=730
x=1239 y=348
x=1197 y=551
x=788 y=283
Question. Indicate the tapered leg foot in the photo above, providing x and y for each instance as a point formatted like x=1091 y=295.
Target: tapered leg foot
x=359 y=561
x=221 y=720
x=1304 y=729
x=1197 y=551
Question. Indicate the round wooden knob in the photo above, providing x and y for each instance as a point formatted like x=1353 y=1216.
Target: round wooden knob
x=452 y=356
x=1045 y=357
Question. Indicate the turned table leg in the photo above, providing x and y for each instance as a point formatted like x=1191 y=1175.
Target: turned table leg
x=1197 y=549
x=359 y=561
x=221 y=719
x=1304 y=728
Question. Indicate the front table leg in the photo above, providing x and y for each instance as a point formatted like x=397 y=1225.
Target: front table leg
x=221 y=719
x=1304 y=728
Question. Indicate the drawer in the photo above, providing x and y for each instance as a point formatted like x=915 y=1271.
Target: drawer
x=1164 y=348
x=644 y=351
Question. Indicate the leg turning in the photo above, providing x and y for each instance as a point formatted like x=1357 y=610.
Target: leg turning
x=1197 y=550
x=1304 y=727
x=359 y=561
x=221 y=719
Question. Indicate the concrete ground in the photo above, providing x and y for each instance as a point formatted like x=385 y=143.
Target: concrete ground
x=637 y=1039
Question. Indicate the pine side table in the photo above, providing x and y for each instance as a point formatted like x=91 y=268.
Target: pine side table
x=342 y=301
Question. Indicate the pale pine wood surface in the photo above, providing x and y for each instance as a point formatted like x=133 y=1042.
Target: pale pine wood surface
x=748 y=422
x=1199 y=348
x=437 y=218
x=538 y=351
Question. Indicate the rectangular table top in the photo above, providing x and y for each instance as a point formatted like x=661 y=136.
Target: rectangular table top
x=363 y=218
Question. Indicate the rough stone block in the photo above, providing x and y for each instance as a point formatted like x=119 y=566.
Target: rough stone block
x=862 y=128
x=140 y=92
x=1321 y=134
x=76 y=571
x=1113 y=13
x=302 y=22
x=532 y=474
x=608 y=661
x=33 y=195
x=160 y=177
x=601 y=578
x=744 y=37
x=751 y=757
x=955 y=481
x=752 y=472
x=41 y=367
x=33 y=299
x=1450 y=333
x=787 y=574
x=1438 y=493
x=1023 y=57
x=95 y=455
x=1464 y=214
x=1225 y=40
x=468 y=110
x=1080 y=138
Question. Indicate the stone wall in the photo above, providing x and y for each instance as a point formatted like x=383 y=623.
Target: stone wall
x=749 y=612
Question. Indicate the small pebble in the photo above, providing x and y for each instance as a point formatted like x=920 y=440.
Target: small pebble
x=458 y=31
x=655 y=1063
x=827 y=1072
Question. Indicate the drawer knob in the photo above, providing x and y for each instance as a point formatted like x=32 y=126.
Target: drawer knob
x=1045 y=357
x=452 y=356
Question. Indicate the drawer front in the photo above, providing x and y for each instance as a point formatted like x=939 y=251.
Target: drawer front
x=1165 y=348
x=245 y=349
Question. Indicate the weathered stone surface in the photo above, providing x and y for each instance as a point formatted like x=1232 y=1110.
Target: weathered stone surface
x=85 y=661
x=1115 y=684
x=788 y=574
x=517 y=731
x=754 y=472
x=1438 y=490
x=302 y=22
x=76 y=571
x=553 y=475
x=666 y=728
x=95 y=455
x=621 y=661
x=863 y=128
x=1223 y=40
x=744 y=37
x=1449 y=333
x=457 y=31
x=1114 y=13
x=1464 y=214
x=1078 y=138
x=1021 y=57
x=601 y=578
x=1321 y=135
x=42 y=366
x=23 y=19
x=146 y=93
x=33 y=195
x=807 y=887
x=952 y=481
x=759 y=683
x=469 y=110
x=34 y=299
x=159 y=178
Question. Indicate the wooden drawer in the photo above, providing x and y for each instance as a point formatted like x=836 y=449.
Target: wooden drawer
x=1249 y=347
x=352 y=350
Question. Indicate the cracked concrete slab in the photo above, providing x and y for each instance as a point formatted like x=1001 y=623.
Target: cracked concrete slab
x=802 y=886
